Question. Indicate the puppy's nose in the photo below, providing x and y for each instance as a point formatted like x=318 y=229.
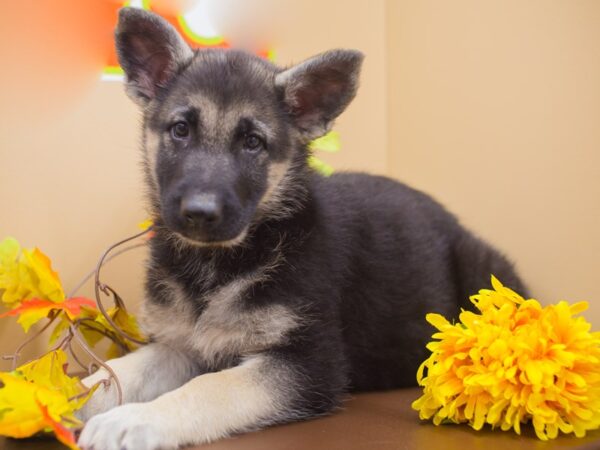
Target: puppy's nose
x=201 y=209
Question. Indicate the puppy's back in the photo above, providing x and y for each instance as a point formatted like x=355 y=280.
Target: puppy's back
x=406 y=256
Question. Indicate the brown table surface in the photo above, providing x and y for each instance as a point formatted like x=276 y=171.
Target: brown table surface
x=382 y=420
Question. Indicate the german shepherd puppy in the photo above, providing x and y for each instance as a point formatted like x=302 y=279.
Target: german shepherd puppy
x=271 y=291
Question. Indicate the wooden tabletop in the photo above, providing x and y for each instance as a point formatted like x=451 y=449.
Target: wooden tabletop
x=382 y=420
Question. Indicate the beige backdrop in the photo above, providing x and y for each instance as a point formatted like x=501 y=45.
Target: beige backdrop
x=492 y=107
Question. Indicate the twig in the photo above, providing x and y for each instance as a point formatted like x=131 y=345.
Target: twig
x=92 y=272
x=63 y=342
x=90 y=352
x=77 y=360
x=87 y=391
x=106 y=333
x=98 y=286
x=17 y=353
x=92 y=367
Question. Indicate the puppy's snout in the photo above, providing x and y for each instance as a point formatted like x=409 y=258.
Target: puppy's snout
x=200 y=210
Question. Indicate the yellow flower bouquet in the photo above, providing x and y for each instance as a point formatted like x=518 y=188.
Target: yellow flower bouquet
x=513 y=362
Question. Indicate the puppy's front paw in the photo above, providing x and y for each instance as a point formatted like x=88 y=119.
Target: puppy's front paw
x=135 y=426
x=104 y=398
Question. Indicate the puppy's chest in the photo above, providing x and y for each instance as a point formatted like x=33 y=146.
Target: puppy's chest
x=225 y=323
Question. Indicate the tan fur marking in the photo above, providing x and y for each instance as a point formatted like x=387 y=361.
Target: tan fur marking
x=151 y=147
x=218 y=124
x=210 y=116
x=215 y=405
x=224 y=328
x=276 y=173
x=276 y=202
x=166 y=365
x=206 y=408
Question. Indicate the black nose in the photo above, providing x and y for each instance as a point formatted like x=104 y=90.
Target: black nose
x=201 y=209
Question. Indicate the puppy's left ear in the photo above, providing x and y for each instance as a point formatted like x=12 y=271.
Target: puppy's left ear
x=318 y=90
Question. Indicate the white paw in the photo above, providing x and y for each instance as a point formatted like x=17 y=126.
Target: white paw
x=135 y=426
x=103 y=399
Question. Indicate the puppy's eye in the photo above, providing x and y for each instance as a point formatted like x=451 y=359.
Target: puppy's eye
x=180 y=130
x=253 y=143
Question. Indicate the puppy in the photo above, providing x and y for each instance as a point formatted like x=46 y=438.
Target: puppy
x=271 y=291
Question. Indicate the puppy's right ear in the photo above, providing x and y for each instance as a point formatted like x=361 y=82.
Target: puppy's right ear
x=150 y=52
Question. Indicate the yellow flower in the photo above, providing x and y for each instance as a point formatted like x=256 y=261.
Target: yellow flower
x=514 y=362
x=26 y=274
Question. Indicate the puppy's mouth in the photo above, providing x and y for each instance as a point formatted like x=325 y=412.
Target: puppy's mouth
x=204 y=242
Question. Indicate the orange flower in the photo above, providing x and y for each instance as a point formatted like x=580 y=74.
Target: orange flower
x=514 y=362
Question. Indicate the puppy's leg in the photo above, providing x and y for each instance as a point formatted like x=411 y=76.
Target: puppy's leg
x=259 y=391
x=144 y=375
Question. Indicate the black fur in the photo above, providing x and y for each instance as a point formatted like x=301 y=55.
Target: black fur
x=362 y=258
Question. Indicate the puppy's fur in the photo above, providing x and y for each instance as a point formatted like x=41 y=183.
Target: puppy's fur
x=271 y=291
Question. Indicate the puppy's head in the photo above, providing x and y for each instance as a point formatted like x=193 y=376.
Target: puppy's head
x=224 y=130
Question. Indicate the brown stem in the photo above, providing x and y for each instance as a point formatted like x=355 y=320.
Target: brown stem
x=17 y=353
x=87 y=391
x=105 y=366
x=92 y=272
x=106 y=333
x=77 y=360
x=92 y=367
x=63 y=343
x=98 y=286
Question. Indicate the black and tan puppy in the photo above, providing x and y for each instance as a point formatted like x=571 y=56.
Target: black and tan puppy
x=271 y=291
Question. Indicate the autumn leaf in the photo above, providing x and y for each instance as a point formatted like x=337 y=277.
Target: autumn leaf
x=85 y=315
x=328 y=143
x=125 y=322
x=49 y=372
x=34 y=310
x=62 y=433
x=20 y=402
x=93 y=326
x=26 y=274
x=9 y=253
x=48 y=281
x=40 y=396
x=145 y=224
x=320 y=166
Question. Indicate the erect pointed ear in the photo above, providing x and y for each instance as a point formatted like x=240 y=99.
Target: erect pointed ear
x=150 y=52
x=317 y=90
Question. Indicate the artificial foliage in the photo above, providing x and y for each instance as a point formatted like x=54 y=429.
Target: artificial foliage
x=329 y=143
x=513 y=362
x=41 y=396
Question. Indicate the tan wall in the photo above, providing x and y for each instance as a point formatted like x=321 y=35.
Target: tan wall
x=493 y=107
